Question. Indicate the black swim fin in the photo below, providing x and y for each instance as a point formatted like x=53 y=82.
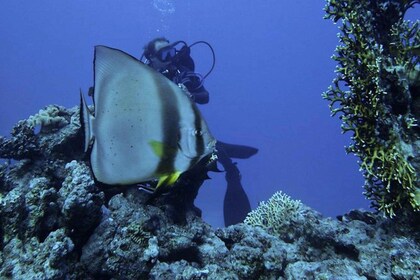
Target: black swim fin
x=236 y=203
x=236 y=151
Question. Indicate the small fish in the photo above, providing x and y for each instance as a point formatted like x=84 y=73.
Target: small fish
x=144 y=127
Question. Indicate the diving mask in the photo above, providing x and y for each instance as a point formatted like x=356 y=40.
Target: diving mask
x=167 y=53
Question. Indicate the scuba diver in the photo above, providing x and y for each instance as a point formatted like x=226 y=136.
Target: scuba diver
x=175 y=62
x=177 y=65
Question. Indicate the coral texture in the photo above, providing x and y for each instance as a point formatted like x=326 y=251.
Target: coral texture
x=278 y=215
x=56 y=222
x=48 y=118
x=376 y=94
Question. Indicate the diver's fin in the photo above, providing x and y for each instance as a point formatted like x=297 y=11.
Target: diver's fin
x=236 y=203
x=237 y=151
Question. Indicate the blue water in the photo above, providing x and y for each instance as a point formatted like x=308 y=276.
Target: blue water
x=273 y=63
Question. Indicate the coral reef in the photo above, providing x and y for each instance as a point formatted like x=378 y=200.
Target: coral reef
x=26 y=144
x=48 y=118
x=56 y=222
x=279 y=214
x=377 y=96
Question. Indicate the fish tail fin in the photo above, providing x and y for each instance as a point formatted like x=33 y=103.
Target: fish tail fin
x=168 y=180
x=86 y=121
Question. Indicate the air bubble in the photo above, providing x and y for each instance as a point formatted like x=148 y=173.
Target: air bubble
x=165 y=7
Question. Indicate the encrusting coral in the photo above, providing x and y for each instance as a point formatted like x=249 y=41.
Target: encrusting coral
x=377 y=95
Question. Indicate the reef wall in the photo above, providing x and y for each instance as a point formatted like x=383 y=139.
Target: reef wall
x=57 y=223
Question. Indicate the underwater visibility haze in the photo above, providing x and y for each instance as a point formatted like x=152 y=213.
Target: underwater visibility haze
x=272 y=65
x=284 y=199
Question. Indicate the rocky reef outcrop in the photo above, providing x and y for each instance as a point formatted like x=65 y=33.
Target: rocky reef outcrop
x=56 y=222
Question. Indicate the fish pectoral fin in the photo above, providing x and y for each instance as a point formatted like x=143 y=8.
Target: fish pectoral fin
x=157 y=147
x=160 y=148
x=168 y=179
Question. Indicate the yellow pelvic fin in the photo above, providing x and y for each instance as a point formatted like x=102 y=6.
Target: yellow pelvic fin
x=168 y=179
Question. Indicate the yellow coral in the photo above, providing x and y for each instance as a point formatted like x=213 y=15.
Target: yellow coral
x=378 y=63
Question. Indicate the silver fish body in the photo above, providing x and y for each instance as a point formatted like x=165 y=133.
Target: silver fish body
x=143 y=127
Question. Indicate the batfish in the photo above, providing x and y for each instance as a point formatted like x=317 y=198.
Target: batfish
x=143 y=127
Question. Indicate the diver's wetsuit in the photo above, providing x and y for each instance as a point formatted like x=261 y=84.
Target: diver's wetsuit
x=181 y=70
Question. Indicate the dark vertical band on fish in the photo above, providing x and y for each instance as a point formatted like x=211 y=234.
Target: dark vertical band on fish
x=170 y=115
x=199 y=140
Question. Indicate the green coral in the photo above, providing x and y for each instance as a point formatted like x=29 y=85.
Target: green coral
x=277 y=215
x=376 y=95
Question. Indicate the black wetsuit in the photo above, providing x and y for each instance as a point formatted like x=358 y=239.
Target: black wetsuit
x=181 y=70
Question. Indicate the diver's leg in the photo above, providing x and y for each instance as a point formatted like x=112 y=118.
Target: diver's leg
x=236 y=203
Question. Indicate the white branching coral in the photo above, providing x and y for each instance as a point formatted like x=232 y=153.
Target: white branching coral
x=277 y=214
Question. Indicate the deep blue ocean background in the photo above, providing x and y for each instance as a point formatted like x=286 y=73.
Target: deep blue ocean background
x=272 y=65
